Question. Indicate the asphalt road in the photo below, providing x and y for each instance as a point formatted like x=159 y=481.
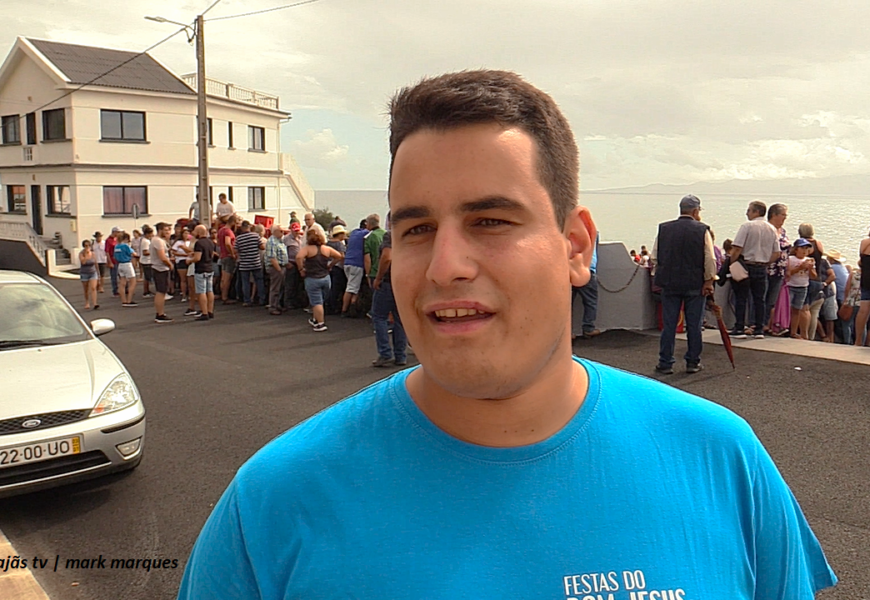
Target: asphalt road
x=216 y=392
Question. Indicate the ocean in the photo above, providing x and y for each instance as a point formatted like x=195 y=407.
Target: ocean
x=840 y=223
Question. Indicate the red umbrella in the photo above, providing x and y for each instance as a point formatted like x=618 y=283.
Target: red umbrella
x=723 y=330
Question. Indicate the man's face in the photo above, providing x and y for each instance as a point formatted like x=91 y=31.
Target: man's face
x=474 y=229
x=222 y=199
x=309 y=220
x=750 y=213
x=778 y=220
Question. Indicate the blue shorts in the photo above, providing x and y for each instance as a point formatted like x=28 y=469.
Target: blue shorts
x=203 y=282
x=797 y=296
x=317 y=289
x=91 y=277
x=865 y=295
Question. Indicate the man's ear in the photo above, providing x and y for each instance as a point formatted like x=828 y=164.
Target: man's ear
x=580 y=234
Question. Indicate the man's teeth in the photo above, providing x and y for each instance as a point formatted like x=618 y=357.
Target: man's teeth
x=451 y=313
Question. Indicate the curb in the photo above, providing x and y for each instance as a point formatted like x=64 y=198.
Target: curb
x=17 y=584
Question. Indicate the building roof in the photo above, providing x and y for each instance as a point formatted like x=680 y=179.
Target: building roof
x=82 y=64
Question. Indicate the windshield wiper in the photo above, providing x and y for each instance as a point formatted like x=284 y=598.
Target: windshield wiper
x=25 y=343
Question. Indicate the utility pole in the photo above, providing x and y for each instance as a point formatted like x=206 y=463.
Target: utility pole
x=202 y=125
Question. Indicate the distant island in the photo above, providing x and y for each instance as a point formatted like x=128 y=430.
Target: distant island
x=356 y=204
x=828 y=187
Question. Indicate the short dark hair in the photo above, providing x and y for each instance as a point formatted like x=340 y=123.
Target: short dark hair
x=161 y=226
x=776 y=209
x=146 y=229
x=758 y=206
x=472 y=97
x=246 y=225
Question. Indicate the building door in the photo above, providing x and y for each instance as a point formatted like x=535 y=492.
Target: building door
x=36 y=208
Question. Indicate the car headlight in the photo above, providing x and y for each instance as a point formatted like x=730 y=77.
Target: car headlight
x=119 y=394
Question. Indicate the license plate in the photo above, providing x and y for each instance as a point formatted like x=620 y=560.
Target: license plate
x=31 y=453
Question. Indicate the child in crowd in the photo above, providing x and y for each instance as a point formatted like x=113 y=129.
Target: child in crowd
x=124 y=255
x=800 y=268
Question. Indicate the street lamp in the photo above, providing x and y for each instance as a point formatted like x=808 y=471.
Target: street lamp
x=201 y=117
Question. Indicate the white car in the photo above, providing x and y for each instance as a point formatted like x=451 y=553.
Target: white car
x=69 y=410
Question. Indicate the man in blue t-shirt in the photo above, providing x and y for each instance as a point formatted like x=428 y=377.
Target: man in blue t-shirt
x=502 y=466
x=354 y=265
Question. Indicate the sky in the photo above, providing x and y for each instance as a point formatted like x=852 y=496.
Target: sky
x=656 y=91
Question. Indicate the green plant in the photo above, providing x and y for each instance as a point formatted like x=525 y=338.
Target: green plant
x=323 y=216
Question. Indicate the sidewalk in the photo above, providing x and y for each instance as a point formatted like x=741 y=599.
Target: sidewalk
x=17 y=584
x=786 y=345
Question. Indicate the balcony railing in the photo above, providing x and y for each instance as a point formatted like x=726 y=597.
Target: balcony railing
x=213 y=87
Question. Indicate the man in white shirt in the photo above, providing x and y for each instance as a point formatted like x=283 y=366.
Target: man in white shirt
x=145 y=261
x=224 y=210
x=311 y=223
x=756 y=245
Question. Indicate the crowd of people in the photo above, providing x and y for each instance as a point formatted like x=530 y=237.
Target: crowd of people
x=800 y=289
x=300 y=267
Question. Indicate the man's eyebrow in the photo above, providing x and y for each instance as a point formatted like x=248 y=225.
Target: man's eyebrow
x=486 y=203
x=491 y=202
x=410 y=212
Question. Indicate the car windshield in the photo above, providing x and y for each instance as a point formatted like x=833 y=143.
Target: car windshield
x=34 y=314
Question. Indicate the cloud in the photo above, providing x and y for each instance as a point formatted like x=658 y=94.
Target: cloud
x=319 y=149
x=657 y=91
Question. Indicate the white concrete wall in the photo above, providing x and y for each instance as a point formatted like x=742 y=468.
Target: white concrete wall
x=171 y=131
x=28 y=88
x=170 y=128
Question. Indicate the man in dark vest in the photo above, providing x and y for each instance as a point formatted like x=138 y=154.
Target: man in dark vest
x=684 y=268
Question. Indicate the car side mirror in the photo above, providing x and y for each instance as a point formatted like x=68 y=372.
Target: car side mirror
x=101 y=326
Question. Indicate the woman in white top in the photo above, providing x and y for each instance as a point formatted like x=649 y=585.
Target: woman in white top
x=99 y=249
x=180 y=251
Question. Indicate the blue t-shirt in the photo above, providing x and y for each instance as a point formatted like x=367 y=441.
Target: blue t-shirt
x=648 y=493
x=123 y=253
x=354 y=256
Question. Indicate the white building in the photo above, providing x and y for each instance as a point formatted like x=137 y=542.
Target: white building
x=87 y=133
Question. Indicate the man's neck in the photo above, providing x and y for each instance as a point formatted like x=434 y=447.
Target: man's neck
x=530 y=416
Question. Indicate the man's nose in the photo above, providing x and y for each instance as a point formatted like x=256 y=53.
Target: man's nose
x=452 y=257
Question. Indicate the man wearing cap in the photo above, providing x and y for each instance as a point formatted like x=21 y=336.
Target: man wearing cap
x=338 y=279
x=293 y=282
x=685 y=267
x=756 y=245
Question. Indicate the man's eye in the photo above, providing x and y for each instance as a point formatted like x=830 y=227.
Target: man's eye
x=417 y=230
x=492 y=222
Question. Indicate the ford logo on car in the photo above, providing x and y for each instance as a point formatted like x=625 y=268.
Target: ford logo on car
x=31 y=423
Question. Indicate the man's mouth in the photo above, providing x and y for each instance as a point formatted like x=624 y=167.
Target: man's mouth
x=460 y=315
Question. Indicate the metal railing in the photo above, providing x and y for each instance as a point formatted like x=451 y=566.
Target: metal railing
x=23 y=232
x=213 y=87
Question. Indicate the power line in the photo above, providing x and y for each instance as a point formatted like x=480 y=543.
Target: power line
x=210 y=7
x=259 y=12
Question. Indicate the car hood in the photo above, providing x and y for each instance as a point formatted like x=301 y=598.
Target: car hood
x=47 y=379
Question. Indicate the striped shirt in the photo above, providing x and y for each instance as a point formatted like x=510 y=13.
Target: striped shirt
x=248 y=247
